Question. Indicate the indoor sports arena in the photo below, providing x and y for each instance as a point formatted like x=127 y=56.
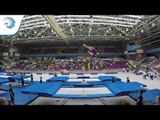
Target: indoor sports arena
x=79 y=60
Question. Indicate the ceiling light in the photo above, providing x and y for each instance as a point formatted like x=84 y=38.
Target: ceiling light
x=20 y=33
x=153 y=24
x=135 y=16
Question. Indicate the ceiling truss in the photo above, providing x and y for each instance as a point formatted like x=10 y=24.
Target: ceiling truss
x=86 y=27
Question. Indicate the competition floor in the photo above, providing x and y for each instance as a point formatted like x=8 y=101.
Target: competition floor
x=152 y=87
x=151 y=84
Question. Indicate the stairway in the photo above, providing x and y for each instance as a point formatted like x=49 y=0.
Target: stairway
x=4 y=63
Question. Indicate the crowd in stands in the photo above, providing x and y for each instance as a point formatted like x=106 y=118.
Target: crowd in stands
x=70 y=64
x=148 y=73
x=151 y=71
x=154 y=64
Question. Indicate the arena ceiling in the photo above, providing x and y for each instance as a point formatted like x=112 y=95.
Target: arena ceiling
x=36 y=28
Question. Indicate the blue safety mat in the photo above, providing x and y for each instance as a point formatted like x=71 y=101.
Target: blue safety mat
x=139 y=84
x=148 y=96
x=58 y=79
x=29 y=81
x=108 y=78
x=83 y=95
x=20 y=98
x=3 y=81
x=123 y=88
x=42 y=89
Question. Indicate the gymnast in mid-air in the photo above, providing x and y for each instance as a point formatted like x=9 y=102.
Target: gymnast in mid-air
x=91 y=50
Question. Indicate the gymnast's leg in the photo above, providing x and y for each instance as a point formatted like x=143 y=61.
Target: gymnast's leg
x=90 y=53
x=88 y=47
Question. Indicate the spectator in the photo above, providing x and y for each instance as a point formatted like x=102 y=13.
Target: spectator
x=31 y=77
x=151 y=75
x=40 y=79
x=3 y=101
x=144 y=74
x=113 y=80
x=158 y=100
x=128 y=80
x=22 y=80
x=11 y=93
x=139 y=102
x=141 y=94
x=55 y=74
x=140 y=98
x=123 y=70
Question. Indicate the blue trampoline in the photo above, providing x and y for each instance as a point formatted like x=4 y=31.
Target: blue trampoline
x=83 y=95
x=26 y=94
x=108 y=78
x=80 y=84
x=4 y=76
x=123 y=88
x=18 y=77
x=58 y=79
x=3 y=73
x=13 y=78
x=43 y=89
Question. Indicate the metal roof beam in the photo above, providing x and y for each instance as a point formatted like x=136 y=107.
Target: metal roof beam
x=54 y=25
x=112 y=24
